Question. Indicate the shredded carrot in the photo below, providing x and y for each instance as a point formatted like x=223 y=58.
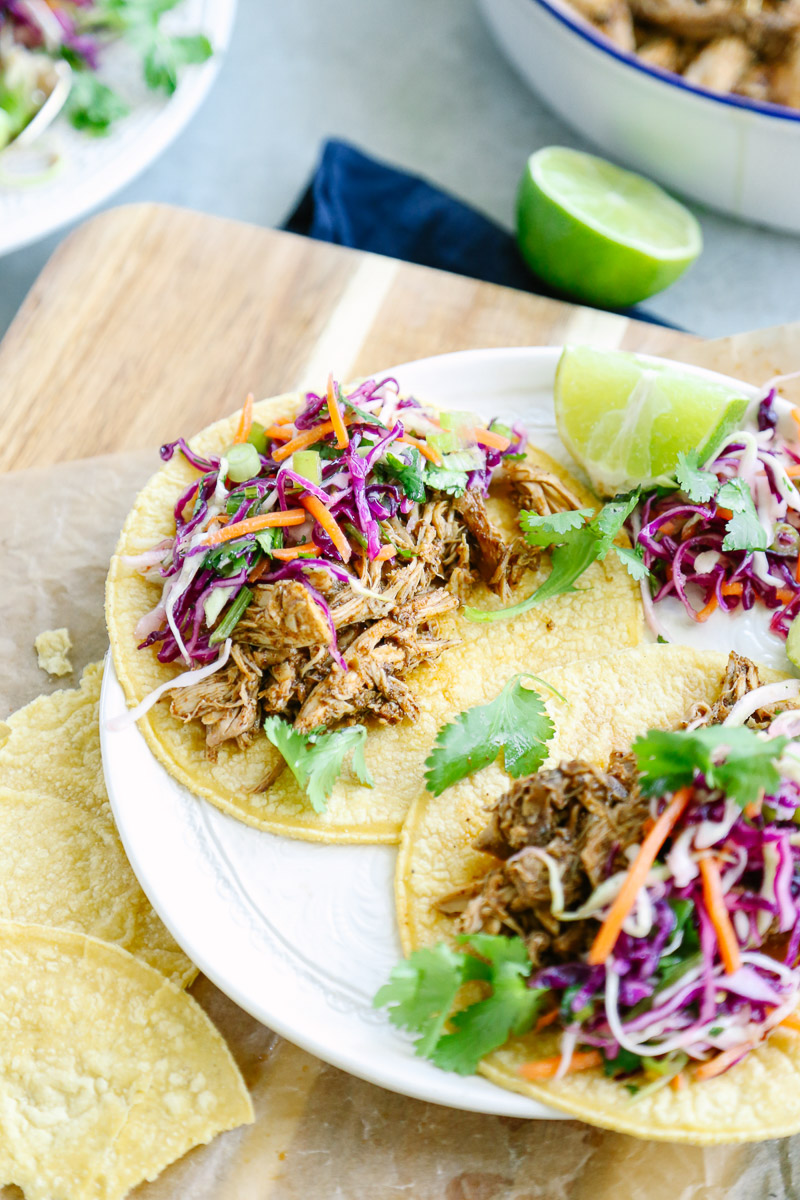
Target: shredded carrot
x=335 y=413
x=487 y=437
x=669 y=527
x=706 y=612
x=725 y=513
x=678 y=1082
x=547 y=1019
x=721 y=1062
x=546 y=1068
x=753 y=810
x=258 y=570
x=793 y=470
x=385 y=553
x=785 y=595
x=306 y=438
x=792 y=1021
x=609 y=931
x=425 y=450
x=292 y=516
x=720 y=917
x=323 y=517
x=246 y=420
x=795 y=414
x=287 y=553
x=732 y=589
x=279 y=432
x=797 y=569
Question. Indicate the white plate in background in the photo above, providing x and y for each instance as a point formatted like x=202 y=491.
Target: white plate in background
x=93 y=168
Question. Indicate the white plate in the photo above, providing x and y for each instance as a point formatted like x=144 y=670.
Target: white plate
x=92 y=169
x=302 y=935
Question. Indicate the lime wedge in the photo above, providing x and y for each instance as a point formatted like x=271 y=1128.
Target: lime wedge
x=626 y=420
x=602 y=234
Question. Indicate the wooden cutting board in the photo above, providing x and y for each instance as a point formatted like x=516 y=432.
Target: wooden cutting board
x=150 y=322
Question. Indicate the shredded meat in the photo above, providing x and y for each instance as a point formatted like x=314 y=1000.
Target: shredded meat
x=377 y=662
x=226 y=703
x=539 y=490
x=741 y=676
x=576 y=815
x=282 y=615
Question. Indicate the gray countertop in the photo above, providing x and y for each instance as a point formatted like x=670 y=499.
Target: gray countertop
x=421 y=84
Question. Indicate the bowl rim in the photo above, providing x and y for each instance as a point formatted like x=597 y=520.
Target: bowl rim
x=585 y=30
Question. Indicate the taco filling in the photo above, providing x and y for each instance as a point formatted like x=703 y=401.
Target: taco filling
x=729 y=536
x=312 y=560
x=647 y=913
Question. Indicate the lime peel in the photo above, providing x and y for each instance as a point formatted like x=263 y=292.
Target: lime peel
x=598 y=232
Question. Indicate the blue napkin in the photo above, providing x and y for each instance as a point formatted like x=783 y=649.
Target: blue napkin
x=354 y=200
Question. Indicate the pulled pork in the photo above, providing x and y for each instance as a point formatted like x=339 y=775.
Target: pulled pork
x=741 y=676
x=576 y=815
x=386 y=627
x=582 y=819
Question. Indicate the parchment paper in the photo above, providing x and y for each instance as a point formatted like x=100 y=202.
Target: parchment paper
x=320 y=1133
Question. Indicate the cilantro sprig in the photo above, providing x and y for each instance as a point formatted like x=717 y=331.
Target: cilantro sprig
x=577 y=540
x=316 y=759
x=423 y=989
x=743 y=530
x=732 y=758
x=409 y=469
x=93 y=106
x=515 y=722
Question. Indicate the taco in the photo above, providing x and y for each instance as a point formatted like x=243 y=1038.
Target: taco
x=296 y=581
x=618 y=934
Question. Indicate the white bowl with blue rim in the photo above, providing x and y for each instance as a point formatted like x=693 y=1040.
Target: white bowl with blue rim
x=738 y=155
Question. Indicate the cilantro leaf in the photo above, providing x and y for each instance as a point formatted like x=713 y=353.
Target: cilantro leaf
x=487 y=1024
x=92 y=106
x=744 y=530
x=445 y=479
x=409 y=471
x=139 y=22
x=633 y=560
x=545 y=531
x=423 y=989
x=578 y=549
x=625 y=1062
x=316 y=759
x=699 y=485
x=270 y=538
x=515 y=722
x=731 y=758
x=166 y=55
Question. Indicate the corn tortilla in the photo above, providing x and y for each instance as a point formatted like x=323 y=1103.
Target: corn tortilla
x=610 y=701
x=570 y=626
x=61 y=858
x=108 y=1071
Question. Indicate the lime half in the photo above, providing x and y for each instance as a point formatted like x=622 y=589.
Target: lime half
x=626 y=420
x=602 y=234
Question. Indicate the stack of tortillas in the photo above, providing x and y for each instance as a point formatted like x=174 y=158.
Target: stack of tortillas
x=109 y=1071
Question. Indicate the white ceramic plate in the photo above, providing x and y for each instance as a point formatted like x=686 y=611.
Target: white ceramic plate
x=92 y=169
x=302 y=935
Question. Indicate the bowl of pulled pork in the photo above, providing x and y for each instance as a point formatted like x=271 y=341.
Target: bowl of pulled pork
x=703 y=95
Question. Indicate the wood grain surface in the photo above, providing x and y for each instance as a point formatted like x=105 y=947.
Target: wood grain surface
x=150 y=322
